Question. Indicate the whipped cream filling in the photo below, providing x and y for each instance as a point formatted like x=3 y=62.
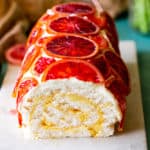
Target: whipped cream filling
x=69 y=108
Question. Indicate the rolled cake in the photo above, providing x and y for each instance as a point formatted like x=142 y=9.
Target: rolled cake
x=72 y=81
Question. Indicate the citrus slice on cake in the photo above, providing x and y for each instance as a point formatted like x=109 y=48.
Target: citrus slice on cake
x=42 y=63
x=74 y=24
x=71 y=46
x=79 y=69
x=77 y=8
x=24 y=87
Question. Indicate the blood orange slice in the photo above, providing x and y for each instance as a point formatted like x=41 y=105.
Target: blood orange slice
x=71 y=46
x=42 y=63
x=30 y=56
x=74 y=24
x=79 y=69
x=24 y=87
x=102 y=64
x=34 y=35
x=101 y=41
x=77 y=8
x=118 y=65
x=15 y=54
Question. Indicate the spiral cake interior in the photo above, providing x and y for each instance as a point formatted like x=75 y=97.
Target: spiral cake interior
x=69 y=108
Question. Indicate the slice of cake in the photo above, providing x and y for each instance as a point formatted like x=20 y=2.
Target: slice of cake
x=72 y=81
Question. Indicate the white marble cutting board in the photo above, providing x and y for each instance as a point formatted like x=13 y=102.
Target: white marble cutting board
x=133 y=137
